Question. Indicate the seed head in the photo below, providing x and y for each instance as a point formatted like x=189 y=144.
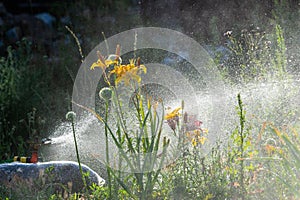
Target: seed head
x=105 y=93
x=71 y=116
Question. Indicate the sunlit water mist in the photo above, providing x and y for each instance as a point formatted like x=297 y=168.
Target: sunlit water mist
x=90 y=144
x=273 y=101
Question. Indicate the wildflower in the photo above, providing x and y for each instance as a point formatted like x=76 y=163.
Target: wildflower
x=202 y=139
x=235 y=184
x=205 y=130
x=128 y=72
x=172 y=117
x=192 y=122
x=209 y=196
x=102 y=63
x=71 y=116
x=113 y=59
x=196 y=137
x=194 y=142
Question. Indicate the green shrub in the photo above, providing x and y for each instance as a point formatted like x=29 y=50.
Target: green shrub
x=12 y=91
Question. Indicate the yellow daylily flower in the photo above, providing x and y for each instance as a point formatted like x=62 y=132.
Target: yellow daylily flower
x=197 y=133
x=196 y=137
x=174 y=113
x=194 y=142
x=104 y=65
x=205 y=130
x=113 y=59
x=128 y=72
x=202 y=140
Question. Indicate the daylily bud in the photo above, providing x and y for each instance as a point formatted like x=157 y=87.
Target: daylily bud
x=185 y=117
x=118 y=50
x=172 y=124
x=100 y=57
x=138 y=62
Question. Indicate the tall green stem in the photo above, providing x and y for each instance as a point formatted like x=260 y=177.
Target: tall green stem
x=77 y=155
x=242 y=137
x=107 y=151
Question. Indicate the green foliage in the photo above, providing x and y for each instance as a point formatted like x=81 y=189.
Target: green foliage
x=197 y=177
x=280 y=59
x=289 y=152
x=256 y=55
x=24 y=85
x=141 y=150
x=144 y=148
x=12 y=92
x=240 y=150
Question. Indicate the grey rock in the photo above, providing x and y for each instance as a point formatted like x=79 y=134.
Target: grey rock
x=60 y=175
x=65 y=20
x=36 y=29
x=47 y=18
x=14 y=34
x=65 y=150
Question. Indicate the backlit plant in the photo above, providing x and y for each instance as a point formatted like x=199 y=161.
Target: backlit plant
x=141 y=152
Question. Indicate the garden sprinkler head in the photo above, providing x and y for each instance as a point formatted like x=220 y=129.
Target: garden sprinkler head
x=46 y=141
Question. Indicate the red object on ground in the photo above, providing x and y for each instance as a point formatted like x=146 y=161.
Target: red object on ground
x=34 y=157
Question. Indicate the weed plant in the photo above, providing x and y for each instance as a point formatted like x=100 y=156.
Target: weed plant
x=256 y=55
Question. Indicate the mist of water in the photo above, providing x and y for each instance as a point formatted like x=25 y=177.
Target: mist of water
x=272 y=101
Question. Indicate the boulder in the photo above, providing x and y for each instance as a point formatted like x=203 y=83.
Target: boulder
x=14 y=34
x=61 y=177
x=46 y=18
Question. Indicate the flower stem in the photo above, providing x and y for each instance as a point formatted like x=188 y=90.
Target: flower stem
x=77 y=155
